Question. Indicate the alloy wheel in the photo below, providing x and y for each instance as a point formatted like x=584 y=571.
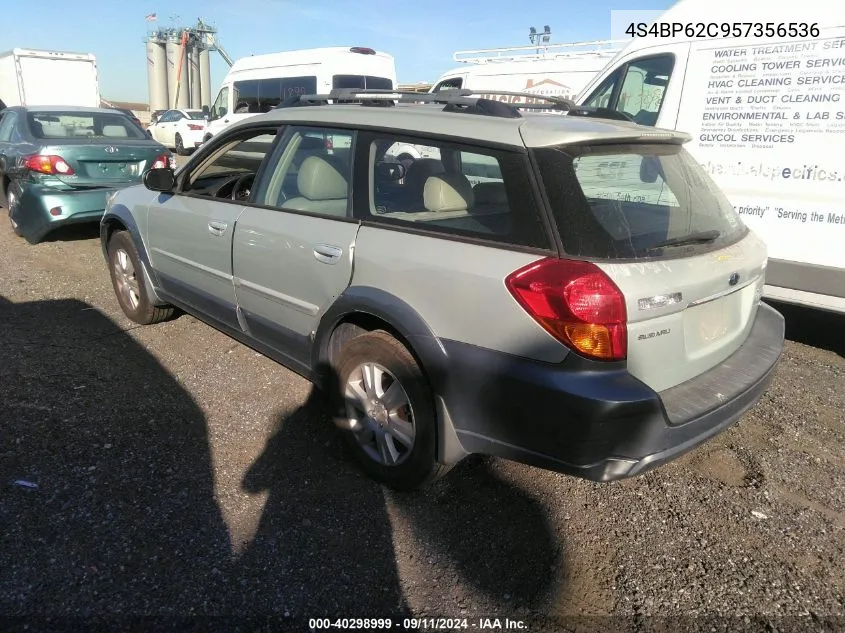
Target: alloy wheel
x=127 y=280
x=380 y=414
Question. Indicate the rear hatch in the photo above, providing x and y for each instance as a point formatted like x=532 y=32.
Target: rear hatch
x=648 y=216
x=100 y=150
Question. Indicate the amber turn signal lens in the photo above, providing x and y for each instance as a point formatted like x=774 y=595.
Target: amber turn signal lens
x=591 y=339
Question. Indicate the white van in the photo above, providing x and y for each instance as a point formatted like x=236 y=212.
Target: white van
x=766 y=111
x=258 y=83
x=555 y=69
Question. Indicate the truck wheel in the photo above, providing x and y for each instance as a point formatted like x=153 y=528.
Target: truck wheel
x=389 y=420
x=125 y=270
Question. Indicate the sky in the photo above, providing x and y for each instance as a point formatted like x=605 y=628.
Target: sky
x=422 y=35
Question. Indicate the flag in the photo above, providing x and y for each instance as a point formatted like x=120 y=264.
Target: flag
x=150 y=18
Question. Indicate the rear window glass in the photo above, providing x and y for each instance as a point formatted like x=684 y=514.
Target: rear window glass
x=362 y=82
x=196 y=116
x=634 y=201
x=58 y=125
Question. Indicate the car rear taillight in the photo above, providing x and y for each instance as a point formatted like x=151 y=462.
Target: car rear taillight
x=194 y=126
x=48 y=164
x=161 y=161
x=363 y=50
x=577 y=303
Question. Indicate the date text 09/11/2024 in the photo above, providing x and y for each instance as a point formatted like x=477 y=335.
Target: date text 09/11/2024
x=417 y=624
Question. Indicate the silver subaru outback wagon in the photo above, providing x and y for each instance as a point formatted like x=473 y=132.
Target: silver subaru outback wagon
x=564 y=290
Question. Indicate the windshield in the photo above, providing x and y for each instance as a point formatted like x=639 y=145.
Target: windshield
x=94 y=125
x=634 y=201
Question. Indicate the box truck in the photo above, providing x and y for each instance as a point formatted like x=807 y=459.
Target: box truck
x=761 y=89
x=47 y=78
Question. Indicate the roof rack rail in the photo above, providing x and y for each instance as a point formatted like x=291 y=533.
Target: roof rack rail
x=547 y=51
x=455 y=100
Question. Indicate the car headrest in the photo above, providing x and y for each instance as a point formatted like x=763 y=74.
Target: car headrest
x=114 y=131
x=321 y=178
x=420 y=170
x=448 y=192
x=493 y=193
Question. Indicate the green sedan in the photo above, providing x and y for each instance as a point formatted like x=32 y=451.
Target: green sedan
x=59 y=164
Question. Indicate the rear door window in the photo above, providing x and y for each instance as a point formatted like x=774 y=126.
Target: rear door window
x=453 y=189
x=635 y=201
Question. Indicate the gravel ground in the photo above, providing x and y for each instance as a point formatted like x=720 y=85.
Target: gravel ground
x=179 y=473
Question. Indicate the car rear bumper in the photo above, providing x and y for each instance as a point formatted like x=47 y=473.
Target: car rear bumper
x=33 y=213
x=599 y=422
x=192 y=138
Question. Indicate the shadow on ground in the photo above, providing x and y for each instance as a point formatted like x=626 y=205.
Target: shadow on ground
x=816 y=328
x=74 y=233
x=108 y=500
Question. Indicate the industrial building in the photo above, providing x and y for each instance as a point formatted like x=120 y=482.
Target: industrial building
x=179 y=66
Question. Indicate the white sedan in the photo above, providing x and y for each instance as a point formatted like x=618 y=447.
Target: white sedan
x=181 y=130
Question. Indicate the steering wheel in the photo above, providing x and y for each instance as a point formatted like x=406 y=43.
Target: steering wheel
x=244 y=182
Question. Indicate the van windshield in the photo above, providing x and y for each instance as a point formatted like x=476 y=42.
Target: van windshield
x=635 y=201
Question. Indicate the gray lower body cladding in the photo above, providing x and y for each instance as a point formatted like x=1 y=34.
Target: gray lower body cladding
x=595 y=420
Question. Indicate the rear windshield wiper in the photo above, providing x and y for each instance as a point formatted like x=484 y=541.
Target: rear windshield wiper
x=702 y=237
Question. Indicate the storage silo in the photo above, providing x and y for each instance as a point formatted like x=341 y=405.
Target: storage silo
x=172 y=48
x=194 y=76
x=183 y=99
x=205 y=77
x=157 y=75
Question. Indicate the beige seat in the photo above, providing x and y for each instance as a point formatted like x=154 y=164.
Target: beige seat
x=448 y=193
x=322 y=186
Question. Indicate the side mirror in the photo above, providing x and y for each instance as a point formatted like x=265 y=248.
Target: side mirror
x=389 y=172
x=161 y=179
x=206 y=113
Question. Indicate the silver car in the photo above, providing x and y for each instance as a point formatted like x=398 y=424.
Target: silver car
x=564 y=290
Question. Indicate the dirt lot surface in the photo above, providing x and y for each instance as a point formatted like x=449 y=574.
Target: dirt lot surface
x=168 y=470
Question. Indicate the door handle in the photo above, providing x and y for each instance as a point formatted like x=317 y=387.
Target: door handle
x=327 y=253
x=217 y=228
x=225 y=120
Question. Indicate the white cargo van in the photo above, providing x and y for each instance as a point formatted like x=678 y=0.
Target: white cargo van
x=761 y=88
x=555 y=69
x=258 y=83
x=47 y=78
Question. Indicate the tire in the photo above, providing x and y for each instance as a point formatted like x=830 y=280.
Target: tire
x=130 y=292
x=180 y=146
x=11 y=199
x=416 y=466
